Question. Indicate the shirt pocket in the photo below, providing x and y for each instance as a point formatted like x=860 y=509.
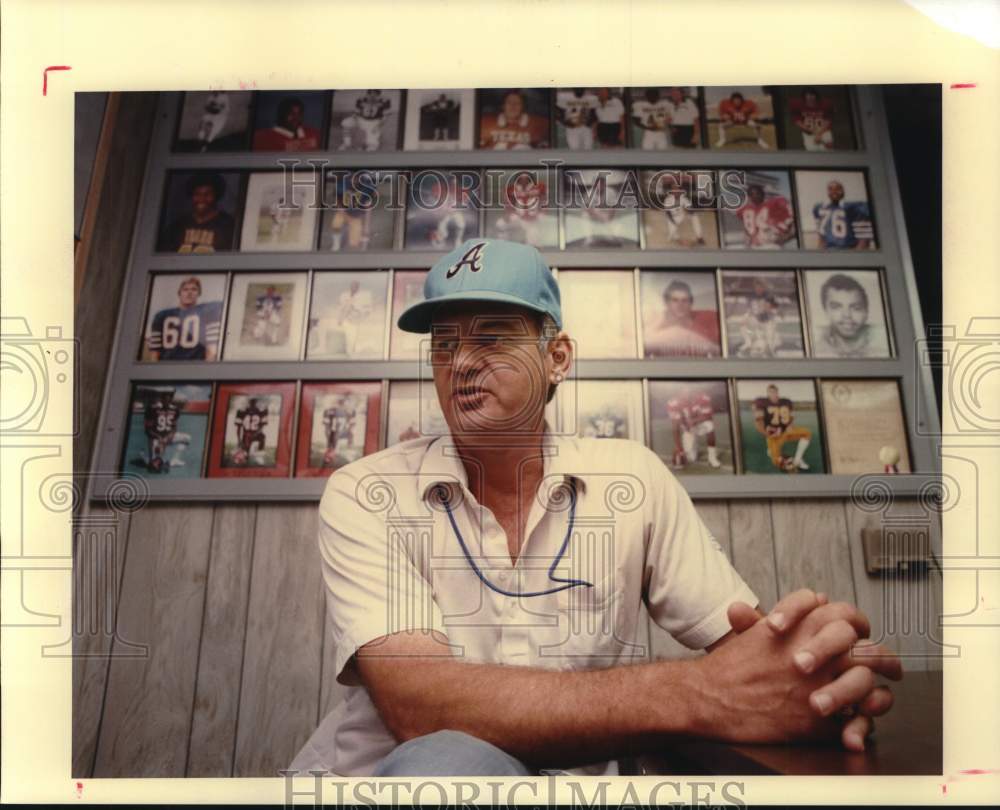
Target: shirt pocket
x=591 y=629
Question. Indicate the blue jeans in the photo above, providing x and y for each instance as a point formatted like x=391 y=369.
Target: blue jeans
x=450 y=753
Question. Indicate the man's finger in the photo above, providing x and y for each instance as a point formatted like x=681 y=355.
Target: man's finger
x=877 y=703
x=854 y=732
x=851 y=687
x=878 y=658
x=832 y=640
x=790 y=610
x=824 y=614
x=742 y=617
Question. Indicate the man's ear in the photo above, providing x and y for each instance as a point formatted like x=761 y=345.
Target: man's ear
x=560 y=355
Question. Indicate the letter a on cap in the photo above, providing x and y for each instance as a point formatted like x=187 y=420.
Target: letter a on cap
x=473 y=257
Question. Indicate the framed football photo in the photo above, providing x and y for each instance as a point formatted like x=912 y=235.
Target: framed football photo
x=590 y=118
x=865 y=429
x=407 y=289
x=265 y=315
x=762 y=217
x=690 y=427
x=252 y=430
x=680 y=314
x=779 y=427
x=338 y=424
x=365 y=120
x=216 y=121
x=601 y=209
x=817 y=118
x=679 y=209
x=602 y=409
x=289 y=121
x=167 y=430
x=439 y=119
x=277 y=218
x=847 y=316
x=184 y=317
x=522 y=213
x=347 y=316
x=762 y=314
x=834 y=210
x=664 y=118
x=199 y=212
x=605 y=297
x=740 y=118
x=357 y=214
x=514 y=119
x=441 y=210
x=414 y=411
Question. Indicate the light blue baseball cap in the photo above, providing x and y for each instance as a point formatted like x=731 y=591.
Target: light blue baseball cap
x=492 y=270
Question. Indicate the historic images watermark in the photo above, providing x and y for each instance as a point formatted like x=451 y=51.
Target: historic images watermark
x=552 y=792
x=492 y=188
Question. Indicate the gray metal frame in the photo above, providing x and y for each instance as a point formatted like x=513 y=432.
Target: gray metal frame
x=892 y=256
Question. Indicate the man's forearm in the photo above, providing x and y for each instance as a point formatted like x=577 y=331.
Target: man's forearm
x=550 y=718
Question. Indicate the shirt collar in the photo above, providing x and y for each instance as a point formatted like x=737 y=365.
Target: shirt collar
x=441 y=464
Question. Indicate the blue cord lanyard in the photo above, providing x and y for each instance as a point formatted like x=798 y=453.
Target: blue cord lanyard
x=570 y=583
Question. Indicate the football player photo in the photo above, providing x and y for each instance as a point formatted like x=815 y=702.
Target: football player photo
x=441 y=210
x=779 y=427
x=184 y=317
x=356 y=218
x=514 y=119
x=834 y=210
x=740 y=118
x=365 y=120
x=167 y=429
x=264 y=321
x=605 y=297
x=690 y=426
x=252 y=430
x=680 y=314
x=199 y=212
x=347 y=316
x=602 y=409
x=817 y=119
x=523 y=214
x=288 y=122
x=278 y=218
x=575 y=118
x=214 y=122
x=763 y=219
x=846 y=313
x=407 y=289
x=414 y=412
x=665 y=118
x=439 y=119
x=600 y=209
x=679 y=210
x=865 y=430
x=762 y=314
x=338 y=424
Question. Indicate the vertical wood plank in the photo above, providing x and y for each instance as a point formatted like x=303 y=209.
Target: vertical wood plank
x=147 y=711
x=810 y=544
x=281 y=666
x=97 y=586
x=220 y=662
x=753 y=548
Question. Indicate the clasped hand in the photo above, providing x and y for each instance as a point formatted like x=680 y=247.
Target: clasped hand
x=802 y=672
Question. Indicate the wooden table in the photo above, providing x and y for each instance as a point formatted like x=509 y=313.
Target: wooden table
x=907 y=741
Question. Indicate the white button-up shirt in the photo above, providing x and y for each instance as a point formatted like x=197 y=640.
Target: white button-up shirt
x=393 y=560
